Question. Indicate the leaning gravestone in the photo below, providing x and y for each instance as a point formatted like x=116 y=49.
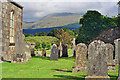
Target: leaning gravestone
x=54 y=52
x=81 y=55
x=60 y=50
x=20 y=55
x=109 y=54
x=97 y=62
x=64 y=50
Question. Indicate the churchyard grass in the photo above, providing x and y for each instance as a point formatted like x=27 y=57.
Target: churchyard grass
x=42 y=67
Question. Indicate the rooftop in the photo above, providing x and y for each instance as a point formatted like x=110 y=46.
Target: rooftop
x=15 y=3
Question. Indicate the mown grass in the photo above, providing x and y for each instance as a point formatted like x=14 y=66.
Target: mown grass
x=43 y=67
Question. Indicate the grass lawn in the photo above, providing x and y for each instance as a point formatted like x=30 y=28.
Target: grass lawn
x=42 y=67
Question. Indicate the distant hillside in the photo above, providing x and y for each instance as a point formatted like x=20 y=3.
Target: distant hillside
x=70 y=26
x=54 y=20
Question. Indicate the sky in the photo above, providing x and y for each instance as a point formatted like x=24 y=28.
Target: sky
x=35 y=9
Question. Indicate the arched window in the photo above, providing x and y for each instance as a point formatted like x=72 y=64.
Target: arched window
x=12 y=27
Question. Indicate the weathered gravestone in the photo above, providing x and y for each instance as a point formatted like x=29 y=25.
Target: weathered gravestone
x=81 y=55
x=19 y=55
x=64 y=50
x=97 y=62
x=44 y=53
x=28 y=50
x=116 y=52
x=54 y=52
x=109 y=54
x=60 y=50
x=73 y=42
x=118 y=57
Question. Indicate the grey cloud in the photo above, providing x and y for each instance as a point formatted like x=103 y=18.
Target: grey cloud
x=35 y=10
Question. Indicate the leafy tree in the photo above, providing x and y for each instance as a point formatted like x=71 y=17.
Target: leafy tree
x=38 y=46
x=53 y=32
x=93 y=23
x=44 y=45
x=64 y=37
x=69 y=31
x=43 y=33
x=36 y=34
x=48 y=46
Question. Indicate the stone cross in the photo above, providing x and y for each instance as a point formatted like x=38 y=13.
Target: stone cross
x=81 y=58
x=109 y=54
x=97 y=62
x=54 y=52
x=73 y=42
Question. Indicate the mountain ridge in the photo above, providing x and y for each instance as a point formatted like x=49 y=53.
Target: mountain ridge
x=54 y=20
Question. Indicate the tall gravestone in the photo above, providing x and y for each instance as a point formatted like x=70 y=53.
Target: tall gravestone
x=60 y=50
x=116 y=52
x=28 y=50
x=97 y=62
x=1 y=52
x=118 y=48
x=19 y=55
x=64 y=50
x=54 y=52
x=81 y=58
x=109 y=54
x=73 y=42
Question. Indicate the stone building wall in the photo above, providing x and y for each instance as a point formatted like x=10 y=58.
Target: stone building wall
x=7 y=7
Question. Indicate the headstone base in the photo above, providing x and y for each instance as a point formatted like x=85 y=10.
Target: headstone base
x=80 y=69
x=97 y=78
x=111 y=68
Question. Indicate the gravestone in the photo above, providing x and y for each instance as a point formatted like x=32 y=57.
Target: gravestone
x=60 y=50
x=19 y=55
x=28 y=51
x=109 y=54
x=73 y=42
x=39 y=53
x=97 y=62
x=54 y=52
x=81 y=55
x=64 y=50
x=118 y=48
x=44 y=53
x=116 y=52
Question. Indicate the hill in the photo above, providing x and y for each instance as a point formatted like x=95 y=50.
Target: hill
x=41 y=39
x=38 y=30
x=54 y=20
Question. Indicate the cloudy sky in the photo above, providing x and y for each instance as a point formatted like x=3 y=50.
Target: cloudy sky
x=35 y=9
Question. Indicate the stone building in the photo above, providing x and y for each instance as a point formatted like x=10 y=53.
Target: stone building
x=11 y=17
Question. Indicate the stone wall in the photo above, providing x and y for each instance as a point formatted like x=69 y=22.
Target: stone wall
x=0 y=30
x=18 y=13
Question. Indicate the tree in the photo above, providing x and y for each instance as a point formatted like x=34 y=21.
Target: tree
x=53 y=32
x=38 y=46
x=36 y=34
x=64 y=37
x=44 y=45
x=43 y=33
x=93 y=23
